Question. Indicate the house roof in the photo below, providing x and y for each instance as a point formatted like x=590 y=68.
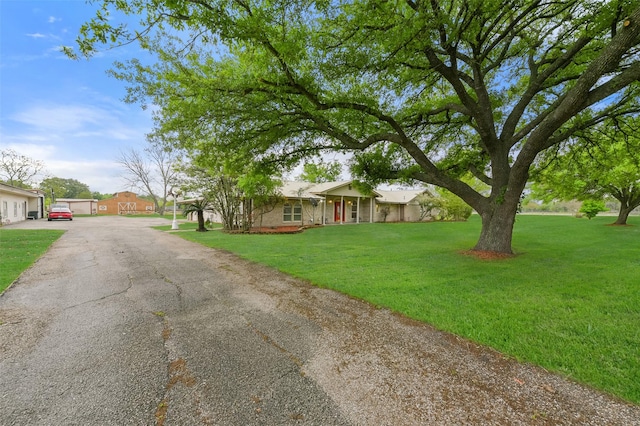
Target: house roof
x=75 y=200
x=297 y=189
x=325 y=187
x=31 y=193
x=400 y=196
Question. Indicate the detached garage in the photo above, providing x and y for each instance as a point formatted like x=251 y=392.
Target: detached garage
x=79 y=205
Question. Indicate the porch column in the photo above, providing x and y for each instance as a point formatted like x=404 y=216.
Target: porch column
x=324 y=210
x=342 y=209
x=358 y=211
x=371 y=208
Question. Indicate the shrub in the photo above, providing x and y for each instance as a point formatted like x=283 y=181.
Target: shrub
x=453 y=208
x=591 y=208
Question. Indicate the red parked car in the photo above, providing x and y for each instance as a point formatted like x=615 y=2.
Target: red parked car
x=60 y=213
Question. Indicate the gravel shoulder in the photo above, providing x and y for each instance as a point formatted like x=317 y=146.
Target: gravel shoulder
x=386 y=369
x=142 y=327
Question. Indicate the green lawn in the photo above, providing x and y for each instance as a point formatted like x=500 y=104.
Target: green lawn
x=570 y=301
x=187 y=226
x=19 y=248
x=166 y=215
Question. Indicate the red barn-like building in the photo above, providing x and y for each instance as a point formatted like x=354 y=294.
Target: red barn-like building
x=125 y=203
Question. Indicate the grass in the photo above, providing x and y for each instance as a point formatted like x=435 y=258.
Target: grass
x=569 y=302
x=19 y=249
x=166 y=215
x=187 y=226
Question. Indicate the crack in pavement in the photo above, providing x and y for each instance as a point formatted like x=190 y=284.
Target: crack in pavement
x=297 y=361
x=178 y=375
x=107 y=296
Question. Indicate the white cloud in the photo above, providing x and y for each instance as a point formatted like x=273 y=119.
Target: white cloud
x=44 y=36
x=23 y=138
x=77 y=141
x=56 y=117
x=53 y=19
x=100 y=175
x=35 y=151
x=103 y=176
x=75 y=121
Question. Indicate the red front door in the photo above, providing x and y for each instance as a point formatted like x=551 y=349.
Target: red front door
x=337 y=212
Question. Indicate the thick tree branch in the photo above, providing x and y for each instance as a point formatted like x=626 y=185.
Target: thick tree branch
x=577 y=97
x=536 y=85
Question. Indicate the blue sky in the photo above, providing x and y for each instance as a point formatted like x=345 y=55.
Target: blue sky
x=67 y=113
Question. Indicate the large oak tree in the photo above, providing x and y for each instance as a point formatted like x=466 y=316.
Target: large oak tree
x=419 y=89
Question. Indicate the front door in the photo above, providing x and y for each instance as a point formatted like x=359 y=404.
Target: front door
x=337 y=212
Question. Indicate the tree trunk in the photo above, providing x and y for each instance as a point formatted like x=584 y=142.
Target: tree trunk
x=247 y=222
x=201 y=227
x=629 y=199
x=623 y=215
x=497 y=230
x=498 y=217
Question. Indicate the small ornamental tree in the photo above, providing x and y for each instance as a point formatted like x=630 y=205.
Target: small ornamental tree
x=591 y=208
x=260 y=192
x=217 y=184
x=428 y=205
x=233 y=187
x=384 y=212
x=198 y=206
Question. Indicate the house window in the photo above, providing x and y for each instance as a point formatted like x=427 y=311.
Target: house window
x=15 y=209
x=292 y=213
x=297 y=212
x=354 y=211
x=5 y=209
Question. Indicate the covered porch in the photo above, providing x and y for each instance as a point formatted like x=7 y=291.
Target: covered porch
x=344 y=204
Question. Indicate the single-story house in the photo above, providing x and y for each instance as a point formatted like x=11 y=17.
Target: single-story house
x=306 y=204
x=329 y=203
x=17 y=204
x=79 y=205
x=125 y=203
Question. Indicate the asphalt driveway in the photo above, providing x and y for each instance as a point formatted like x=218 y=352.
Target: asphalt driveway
x=119 y=324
